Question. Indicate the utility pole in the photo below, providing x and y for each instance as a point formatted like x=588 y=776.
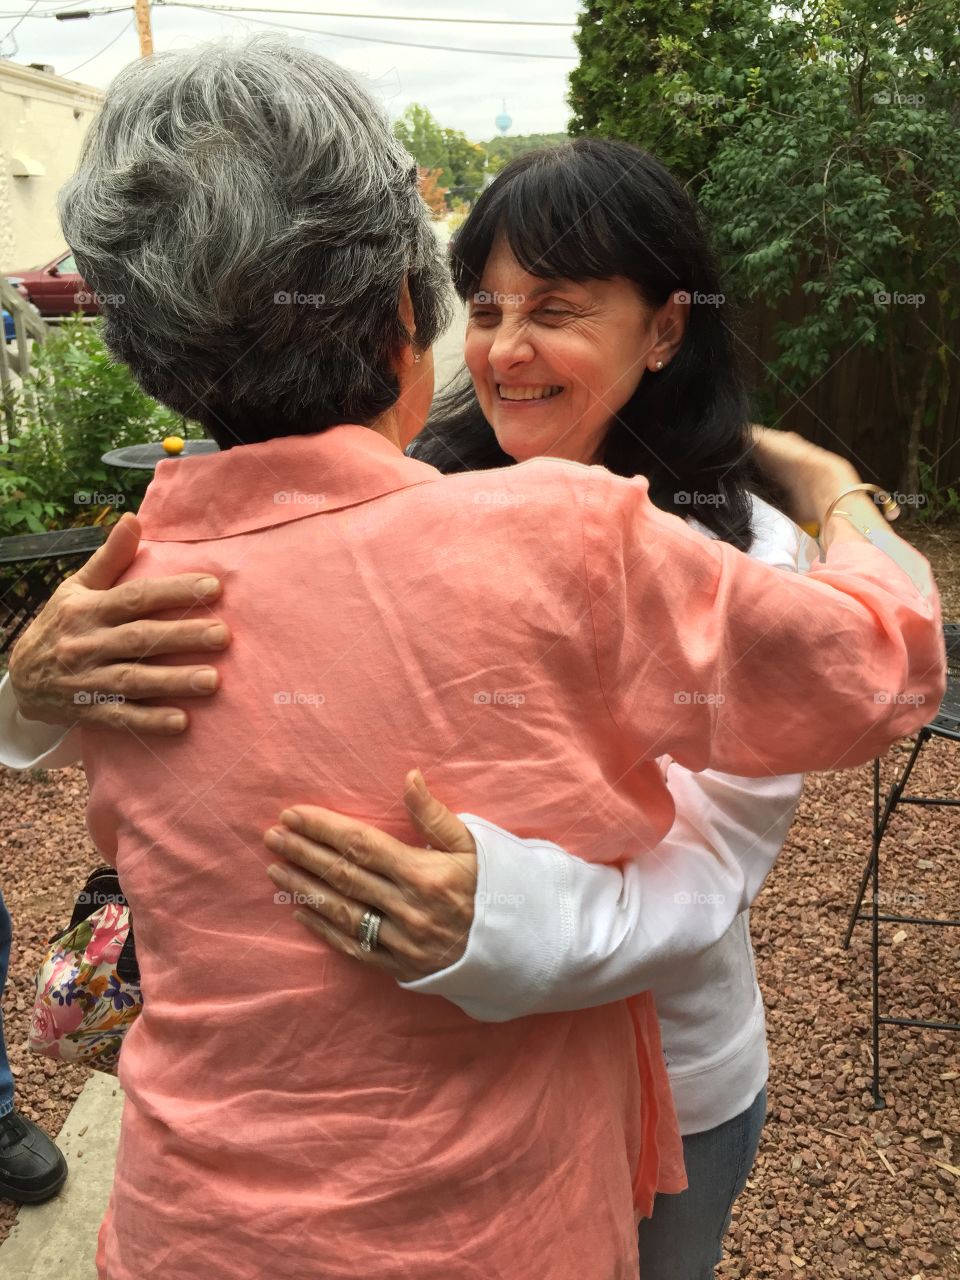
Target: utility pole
x=141 y=10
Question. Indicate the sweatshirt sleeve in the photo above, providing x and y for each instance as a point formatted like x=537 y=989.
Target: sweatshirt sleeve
x=728 y=664
x=30 y=744
x=552 y=933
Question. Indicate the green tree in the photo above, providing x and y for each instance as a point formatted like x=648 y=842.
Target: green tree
x=465 y=167
x=422 y=136
x=460 y=162
x=641 y=72
x=822 y=141
x=502 y=149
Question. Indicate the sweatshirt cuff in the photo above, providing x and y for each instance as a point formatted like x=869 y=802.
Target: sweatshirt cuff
x=25 y=744
x=523 y=923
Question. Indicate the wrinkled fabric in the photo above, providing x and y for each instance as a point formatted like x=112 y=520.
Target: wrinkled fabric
x=290 y=1112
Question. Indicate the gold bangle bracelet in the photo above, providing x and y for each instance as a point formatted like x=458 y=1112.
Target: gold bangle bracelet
x=887 y=503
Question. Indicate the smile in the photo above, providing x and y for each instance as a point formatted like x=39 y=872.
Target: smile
x=527 y=393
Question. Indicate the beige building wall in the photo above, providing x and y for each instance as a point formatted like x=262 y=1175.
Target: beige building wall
x=43 y=119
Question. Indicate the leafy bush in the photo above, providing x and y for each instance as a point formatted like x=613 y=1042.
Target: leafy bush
x=77 y=405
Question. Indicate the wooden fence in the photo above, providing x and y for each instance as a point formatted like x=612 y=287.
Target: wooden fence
x=850 y=409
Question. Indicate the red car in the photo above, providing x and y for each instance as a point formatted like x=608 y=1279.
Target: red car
x=56 y=289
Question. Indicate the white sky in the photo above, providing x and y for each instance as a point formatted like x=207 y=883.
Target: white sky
x=463 y=90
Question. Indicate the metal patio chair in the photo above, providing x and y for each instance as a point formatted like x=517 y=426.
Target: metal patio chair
x=945 y=724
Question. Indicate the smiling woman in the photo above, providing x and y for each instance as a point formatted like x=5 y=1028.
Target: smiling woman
x=597 y=328
x=552 y=360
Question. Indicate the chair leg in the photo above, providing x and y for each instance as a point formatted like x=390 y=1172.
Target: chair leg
x=878 y=1102
x=880 y=824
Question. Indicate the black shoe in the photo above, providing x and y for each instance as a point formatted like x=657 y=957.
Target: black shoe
x=32 y=1167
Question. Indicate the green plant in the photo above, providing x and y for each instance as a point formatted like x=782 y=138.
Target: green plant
x=78 y=404
x=939 y=502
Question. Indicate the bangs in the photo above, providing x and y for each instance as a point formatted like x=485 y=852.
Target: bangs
x=557 y=213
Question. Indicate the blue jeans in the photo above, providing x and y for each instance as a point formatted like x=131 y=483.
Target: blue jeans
x=6 y=1079
x=683 y=1240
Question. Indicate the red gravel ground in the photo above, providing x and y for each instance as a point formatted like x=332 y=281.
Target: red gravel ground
x=839 y=1190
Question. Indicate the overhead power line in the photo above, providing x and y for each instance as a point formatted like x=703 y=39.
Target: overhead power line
x=341 y=35
x=379 y=17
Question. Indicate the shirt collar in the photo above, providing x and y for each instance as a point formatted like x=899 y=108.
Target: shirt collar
x=253 y=486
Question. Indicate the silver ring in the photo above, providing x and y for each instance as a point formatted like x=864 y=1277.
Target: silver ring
x=369 y=930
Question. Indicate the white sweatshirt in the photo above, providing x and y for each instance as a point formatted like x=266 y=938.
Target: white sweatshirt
x=552 y=932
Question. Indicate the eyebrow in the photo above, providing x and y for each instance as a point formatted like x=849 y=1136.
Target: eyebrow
x=552 y=286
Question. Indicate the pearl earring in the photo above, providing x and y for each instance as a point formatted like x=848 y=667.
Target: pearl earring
x=659 y=364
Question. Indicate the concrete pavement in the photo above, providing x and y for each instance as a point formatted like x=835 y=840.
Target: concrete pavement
x=58 y=1240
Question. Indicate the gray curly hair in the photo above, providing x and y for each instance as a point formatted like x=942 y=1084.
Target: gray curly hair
x=248 y=219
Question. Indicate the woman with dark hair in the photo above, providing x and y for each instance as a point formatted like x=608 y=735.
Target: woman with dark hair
x=594 y=211
x=496 y=625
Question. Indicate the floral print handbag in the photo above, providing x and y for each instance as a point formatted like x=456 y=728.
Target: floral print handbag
x=88 y=983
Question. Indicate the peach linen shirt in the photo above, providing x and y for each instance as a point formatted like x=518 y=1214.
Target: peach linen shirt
x=533 y=639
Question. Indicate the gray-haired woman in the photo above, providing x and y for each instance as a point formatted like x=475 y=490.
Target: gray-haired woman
x=285 y=1110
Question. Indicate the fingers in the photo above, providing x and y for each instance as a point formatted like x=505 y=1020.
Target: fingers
x=115 y=556
x=376 y=959
x=440 y=828
x=145 y=596
x=364 y=845
x=144 y=639
x=135 y=680
x=334 y=870
x=320 y=905
x=143 y=722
